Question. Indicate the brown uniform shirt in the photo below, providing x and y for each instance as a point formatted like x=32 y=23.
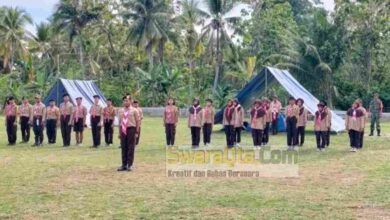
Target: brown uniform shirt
x=268 y=115
x=302 y=118
x=292 y=111
x=238 y=116
x=52 y=113
x=321 y=121
x=365 y=113
x=354 y=120
x=11 y=110
x=171 y=115
x=258 y=118
x=39 y=110
x=195 y=117
x=25 y=110
x=228 y=116
x=109 y=113
x=208 y=115
x=79 y=113
x=66 y=108
x=132 y=117
x=141 y=114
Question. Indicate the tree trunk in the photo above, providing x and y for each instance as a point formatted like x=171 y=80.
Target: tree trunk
x=217 y=64
x=150 y=54
x=161 y=44
x=81 y=60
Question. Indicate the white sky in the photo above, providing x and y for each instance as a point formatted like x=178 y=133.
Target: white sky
x=40 y=10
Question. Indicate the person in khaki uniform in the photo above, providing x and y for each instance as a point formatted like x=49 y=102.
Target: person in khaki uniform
x=268 y=120
x=96 y=113
x=354 y=124
x=79 y=120
x=25 y=114
x=208 y=121
x=329 y=113
x=52 y=118
x=108 y=121
x=11 y=120
x=228 y=123
x=170 y=118
x=141 y=115
x=276 y=106
x=258 y=121
x=376 y=109
x=38 y=120
x=129 y=121
x=301 y=124
x=195 y=121
x=365 y=113
x=292 y=113
x=239 y=114
x=321 y=125
x=66 y=109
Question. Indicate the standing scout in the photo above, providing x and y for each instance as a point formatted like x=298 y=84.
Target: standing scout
x=321 y=125
x=258 y=122
x=195 y=122
x=301 y=124
x=25 y=114
x=361 y=108
x=292 y=113
x=52 y=118
x=268 y=120
x=141 y=117
x=128 y=129
x=228 y=123
x=38 y=120
x=170 y=119
x=11 y=121
x=96 y=113
x=239 y=114
x=79 y=119
x=376 y=109
x=276 y=106
x=354 y=124
x=208 y=121
x=329 y=115
x=66 y=120
x=108 y=120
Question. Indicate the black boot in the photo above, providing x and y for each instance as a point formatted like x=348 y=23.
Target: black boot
x=379 y=132
x=372 y=133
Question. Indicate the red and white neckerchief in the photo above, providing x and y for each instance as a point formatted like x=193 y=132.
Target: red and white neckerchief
x=168 y=114
x=23 y=108
x=64 y=110
x=125 y=121
x=319 y=118
x=354 y=114
x=52 y=109
x=254 y=119
x=206 y=112
x=9 y=109
x=94 y=111
x=38 y=109
x=195 y=111
x=77 y=116
x=106 y=113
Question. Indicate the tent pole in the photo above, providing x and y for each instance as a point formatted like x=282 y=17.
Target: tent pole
x=266 y=82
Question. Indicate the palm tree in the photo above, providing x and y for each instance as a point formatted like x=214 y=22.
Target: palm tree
x=72 y=16
x=148 y=22
x=13 y=35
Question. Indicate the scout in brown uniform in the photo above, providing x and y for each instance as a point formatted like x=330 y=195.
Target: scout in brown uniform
x=276 y=106
x=38 y=121
x=365 y=113
x=354 y=123
x=52 y=118
x=11 y=121
x=268 y=120
x=78 y=120
x=329 y=113
x=108 y=120
x=321 y=125
x=66 y=120
x=96 y=113
x=208 y=121
x=239 y=114
x=292 y=113
x=228 y=122
x=170 y=118
x=128 y=129
x=25 y=114
x=301 y=124
x=258 y=122
x=195 y=118
x=141 y=117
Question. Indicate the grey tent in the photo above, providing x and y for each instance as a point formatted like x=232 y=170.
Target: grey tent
x=269 y=75
x=75 y=88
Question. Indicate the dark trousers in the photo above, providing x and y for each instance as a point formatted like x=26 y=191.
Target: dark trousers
x=108 y=131
x=320 y=139
x=257 y=136
x=38 y=130
x=300 y=139
x=51 y=130
x=229 y=131
x=96 y=130
x=327 y=138
x=128 y=145
x=275 y=124
x=291 y=128
x=170 y=132
x=207 y=129
x=25 y=128
x=237 y=135
x=355 y=139
x=195 y=136
x=266 y=133
x=11 y=129
x=66 y=129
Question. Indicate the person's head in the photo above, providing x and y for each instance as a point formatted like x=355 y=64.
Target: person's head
x=109 y=102
x=52 y=103
x=126 y=101
x=236 y=102
x=11 y=100
x=209 y=102
x=300 y=102
x=291 y=101
x=195 y=102
x=321 y=106
x=229 y=102
x=135 y=103
x=376 y=95
x=65 y=97
x=265 y=100
x=359 y=101
x=325 y=103
x=355 y=104
x=96 y=99
x=171 y=101
x=38 y=99
x=25 y=100
x=257 y=103
x=275 y=98
x=79 y=100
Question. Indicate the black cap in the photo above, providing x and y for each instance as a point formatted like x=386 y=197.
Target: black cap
x=109 y=100
x=135 y=101
x=96 y=96
x=51 y=100
x=300 y=100
x=291 y=98
x=66 y=94
x=321 y=103
x=209 y=100
x=79 y=98
x=11 y=98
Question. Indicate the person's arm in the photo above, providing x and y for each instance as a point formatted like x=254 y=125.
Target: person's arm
x=347 y=122
x=137 y=122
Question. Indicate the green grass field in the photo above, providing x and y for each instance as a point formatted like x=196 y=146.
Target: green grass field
x=82 y=183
